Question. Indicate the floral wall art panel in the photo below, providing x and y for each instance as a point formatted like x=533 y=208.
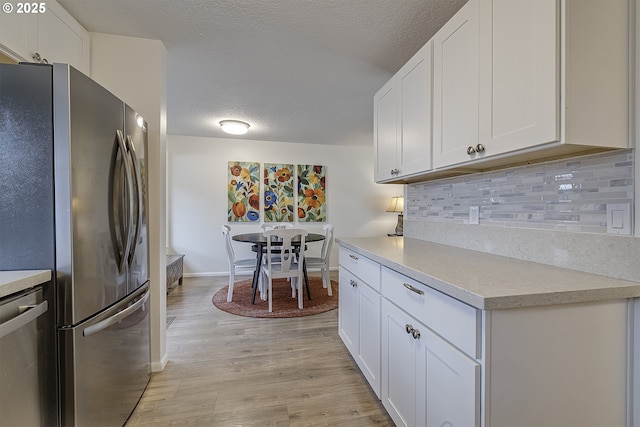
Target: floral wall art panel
x=278 y=192
x=244 y=191
x=312 y=204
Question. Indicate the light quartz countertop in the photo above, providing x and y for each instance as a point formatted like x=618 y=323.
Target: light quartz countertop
x=16 y=281
x=488 y=281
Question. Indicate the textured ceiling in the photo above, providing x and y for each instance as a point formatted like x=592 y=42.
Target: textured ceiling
x=297 y=70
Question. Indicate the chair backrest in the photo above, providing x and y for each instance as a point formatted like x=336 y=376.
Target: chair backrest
x=276 y=226
x=285 y=249
x=328 y=242
x=227 y=242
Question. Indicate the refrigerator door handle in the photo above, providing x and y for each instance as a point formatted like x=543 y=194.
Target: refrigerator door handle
x=30 y=313
x=104 y=324
x=139 y=201
x=128 y=204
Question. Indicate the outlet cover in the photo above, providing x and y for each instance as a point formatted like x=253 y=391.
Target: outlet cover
x=474 y=215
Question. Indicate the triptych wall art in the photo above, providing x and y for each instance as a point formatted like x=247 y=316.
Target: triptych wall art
x=282 y=199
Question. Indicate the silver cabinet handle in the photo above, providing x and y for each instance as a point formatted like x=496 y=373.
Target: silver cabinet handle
x=38 y=58
x=470 y=150
x=354 y=283
x=413 y=289
x=353 y=257
x=480 y=148
x=416 y=334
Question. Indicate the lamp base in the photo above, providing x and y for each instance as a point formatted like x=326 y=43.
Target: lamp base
x=400 y=225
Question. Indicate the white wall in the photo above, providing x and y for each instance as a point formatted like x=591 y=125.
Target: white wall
x=134 y=70
x=197 y=195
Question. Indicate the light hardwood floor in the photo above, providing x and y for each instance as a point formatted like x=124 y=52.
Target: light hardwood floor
x=227 y=370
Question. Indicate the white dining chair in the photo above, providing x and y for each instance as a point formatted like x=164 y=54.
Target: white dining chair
x=236 y=266
x=322 y=262
x=289 y=262
x=276 y=225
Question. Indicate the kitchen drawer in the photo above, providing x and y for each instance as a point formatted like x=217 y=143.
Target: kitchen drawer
x=453 y=320
x=362 y=267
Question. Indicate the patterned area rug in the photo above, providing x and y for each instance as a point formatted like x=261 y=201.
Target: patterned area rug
x=283 y=304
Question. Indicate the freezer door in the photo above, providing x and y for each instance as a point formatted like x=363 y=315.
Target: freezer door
x=87 y=119
x=26 y=168
x=105 y=364
x=136 y=142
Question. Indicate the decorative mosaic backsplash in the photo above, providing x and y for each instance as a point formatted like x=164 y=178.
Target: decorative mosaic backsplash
x=570 y=194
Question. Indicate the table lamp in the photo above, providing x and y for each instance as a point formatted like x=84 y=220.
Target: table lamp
x=397 y=205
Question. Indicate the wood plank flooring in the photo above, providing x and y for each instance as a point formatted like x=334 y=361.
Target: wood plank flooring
x=227 y=370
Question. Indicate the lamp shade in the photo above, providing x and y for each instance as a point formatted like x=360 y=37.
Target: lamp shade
x=396 y=205
x=234 y=127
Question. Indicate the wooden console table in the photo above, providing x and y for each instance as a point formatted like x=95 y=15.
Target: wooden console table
x=174 y=270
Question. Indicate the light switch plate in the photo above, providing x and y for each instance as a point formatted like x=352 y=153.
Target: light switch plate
x=619 y=218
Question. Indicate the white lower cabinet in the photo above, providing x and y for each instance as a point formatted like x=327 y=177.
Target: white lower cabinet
x=359 y=325
x=399 y=354
x=425 y=380
x=448 y=384
x=436 y=361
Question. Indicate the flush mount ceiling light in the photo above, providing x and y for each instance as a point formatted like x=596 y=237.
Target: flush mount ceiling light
x=234 y=127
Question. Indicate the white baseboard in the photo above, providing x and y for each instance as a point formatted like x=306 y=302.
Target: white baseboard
x=159 y=366
x=226 y=273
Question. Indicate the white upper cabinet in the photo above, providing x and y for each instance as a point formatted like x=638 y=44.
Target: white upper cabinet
x=51 y=35
x=456 y=87
x=385 y=108
x=520 y=80
x=519 y=64
x=514 y=81
x=402 y=120
x=17 y=34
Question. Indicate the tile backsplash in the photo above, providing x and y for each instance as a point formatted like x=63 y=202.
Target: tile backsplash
x=568 y=195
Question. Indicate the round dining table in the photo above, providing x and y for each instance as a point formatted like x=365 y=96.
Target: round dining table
x=259 y=242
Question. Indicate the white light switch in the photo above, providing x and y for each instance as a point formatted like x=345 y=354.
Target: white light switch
x=619 y=218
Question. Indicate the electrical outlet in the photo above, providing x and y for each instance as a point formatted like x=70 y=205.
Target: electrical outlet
x=474 y=215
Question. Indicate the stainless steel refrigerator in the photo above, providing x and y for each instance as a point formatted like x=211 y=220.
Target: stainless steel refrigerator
x=73 y=199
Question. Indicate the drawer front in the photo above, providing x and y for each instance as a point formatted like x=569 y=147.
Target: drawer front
x=362 y=267
x=455 y=321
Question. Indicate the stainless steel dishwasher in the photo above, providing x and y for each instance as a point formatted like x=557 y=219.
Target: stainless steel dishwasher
x=22 y=396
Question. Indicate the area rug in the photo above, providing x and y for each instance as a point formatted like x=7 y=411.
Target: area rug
x=283 y=304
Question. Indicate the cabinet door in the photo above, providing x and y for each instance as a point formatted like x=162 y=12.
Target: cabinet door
x=369 y=340
x=414 y=86
x=455 y=87
x=519 y=74
x=348 y=325
x=385 y=106
x=17 y=34
x=60 y=38
x=399 y=350
x=448 y=384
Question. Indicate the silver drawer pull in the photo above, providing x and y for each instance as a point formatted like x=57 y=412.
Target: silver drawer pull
x=416 y=334
x=408 y=328
x=353 y=257
x=413 y=289
x=353 y=283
